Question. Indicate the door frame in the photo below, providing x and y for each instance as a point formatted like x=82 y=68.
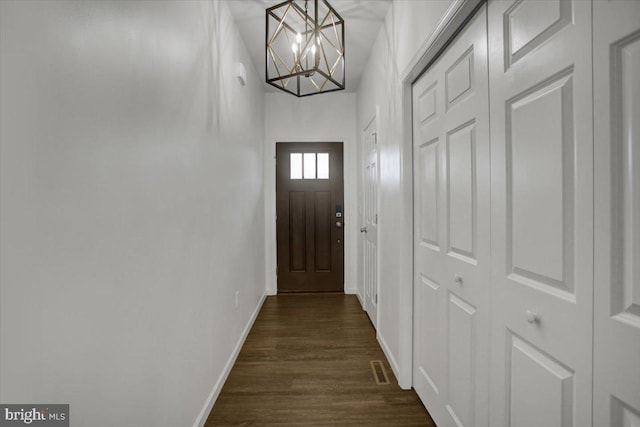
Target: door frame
x=452 y=22
x=350 y=214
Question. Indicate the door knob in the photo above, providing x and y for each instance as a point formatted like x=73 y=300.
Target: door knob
x=532 y=317
x=338 y=224
x=363 y=229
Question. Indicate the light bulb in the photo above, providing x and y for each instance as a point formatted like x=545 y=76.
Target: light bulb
x=299 y=37
x=294 y=48
x=313 y=49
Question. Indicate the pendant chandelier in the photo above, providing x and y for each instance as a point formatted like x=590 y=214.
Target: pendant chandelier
x=305 y=47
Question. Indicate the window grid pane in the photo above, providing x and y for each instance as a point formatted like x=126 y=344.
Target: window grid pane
x=309 y=165
x=296 y=165
x=323 y=165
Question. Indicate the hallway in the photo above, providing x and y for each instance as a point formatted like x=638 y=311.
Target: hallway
x=487 y=218
x=306 y=361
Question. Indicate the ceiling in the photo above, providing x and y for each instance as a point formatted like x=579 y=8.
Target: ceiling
x=363 y=19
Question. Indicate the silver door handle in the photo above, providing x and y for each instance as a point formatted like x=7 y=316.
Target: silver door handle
x=338 y=224
x=363 y=229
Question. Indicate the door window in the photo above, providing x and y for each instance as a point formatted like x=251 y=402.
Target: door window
x=309 y=165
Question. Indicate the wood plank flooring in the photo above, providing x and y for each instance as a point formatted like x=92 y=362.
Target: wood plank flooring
x=306 y=362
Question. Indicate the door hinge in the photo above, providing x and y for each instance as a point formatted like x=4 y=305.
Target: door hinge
x=376 y=218
x=276 y=270
x=376 y=298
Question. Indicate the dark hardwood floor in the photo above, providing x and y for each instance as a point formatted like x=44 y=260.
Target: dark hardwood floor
x=306 y=362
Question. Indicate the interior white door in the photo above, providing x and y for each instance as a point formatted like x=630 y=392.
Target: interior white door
x=369 y=230
x=542 y=212
x=451 y=223
x=617 y=213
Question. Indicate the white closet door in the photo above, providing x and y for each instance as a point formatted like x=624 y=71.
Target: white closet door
x=370 y=220
x=542 y=212
x=617 y=213
x=451 y=242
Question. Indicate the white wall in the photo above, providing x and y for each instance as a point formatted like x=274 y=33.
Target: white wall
x=412 y=23
x=322 y=118
x=407 y=28
x=132 y=206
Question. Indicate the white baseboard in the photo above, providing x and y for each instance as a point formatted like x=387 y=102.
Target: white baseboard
x=360 y=299
x=217 y=388
x=387 y=352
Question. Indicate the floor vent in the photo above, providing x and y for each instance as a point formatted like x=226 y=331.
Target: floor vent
x=379 y=373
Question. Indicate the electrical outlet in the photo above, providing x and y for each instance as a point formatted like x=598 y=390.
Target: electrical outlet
x=237 y=298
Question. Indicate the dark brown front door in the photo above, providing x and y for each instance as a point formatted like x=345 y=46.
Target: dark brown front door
x=310 y=217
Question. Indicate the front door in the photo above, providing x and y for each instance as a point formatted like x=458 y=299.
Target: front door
x=310 y=217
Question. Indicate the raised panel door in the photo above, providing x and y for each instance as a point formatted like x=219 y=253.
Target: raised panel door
x=370 y=228
x=616 y=361
x=451 y=242
x=542 y=212
x=310 y=217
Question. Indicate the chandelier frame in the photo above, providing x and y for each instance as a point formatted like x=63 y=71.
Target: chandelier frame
x=317 y=62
